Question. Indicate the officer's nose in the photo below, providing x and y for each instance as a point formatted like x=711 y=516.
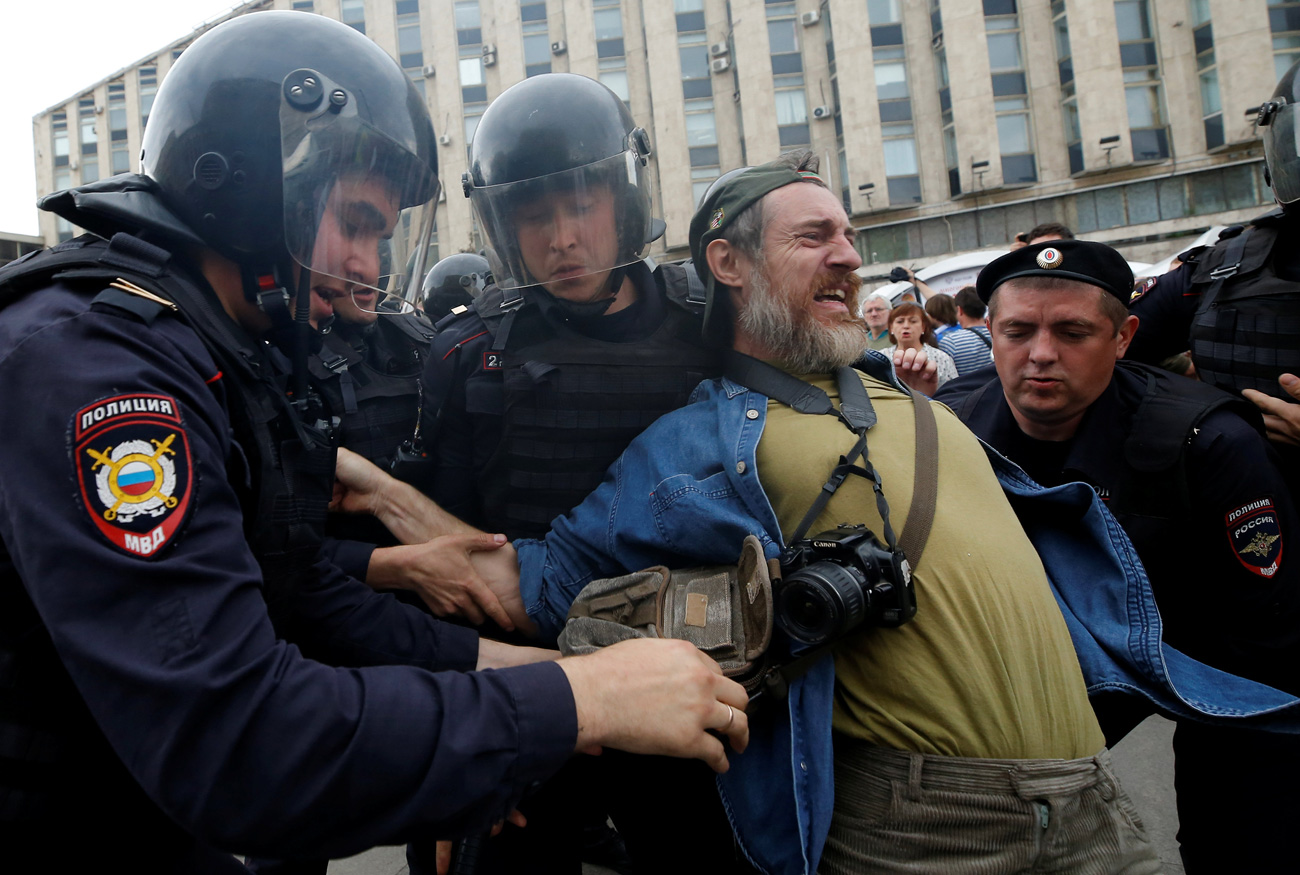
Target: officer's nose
x=565 y=231
x=1042 y=348
x=362 y=264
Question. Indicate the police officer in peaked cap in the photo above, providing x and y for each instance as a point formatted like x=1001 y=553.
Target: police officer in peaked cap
x=180 y=676
x=1187 y=472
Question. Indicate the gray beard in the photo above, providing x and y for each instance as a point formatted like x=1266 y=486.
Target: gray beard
x=795 y=337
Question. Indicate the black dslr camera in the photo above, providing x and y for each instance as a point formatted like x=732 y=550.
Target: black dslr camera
x=838 y=580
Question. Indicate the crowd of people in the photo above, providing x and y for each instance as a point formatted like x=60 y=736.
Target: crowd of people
x=306 y=546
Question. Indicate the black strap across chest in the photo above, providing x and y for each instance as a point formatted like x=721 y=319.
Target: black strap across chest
x=858 y=415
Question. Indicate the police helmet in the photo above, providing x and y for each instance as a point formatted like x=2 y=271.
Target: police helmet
x=290 y=143
x=543 y=150
x=456 y=280
x=1277 y=119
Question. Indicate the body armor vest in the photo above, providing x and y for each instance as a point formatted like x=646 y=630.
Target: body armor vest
x=375 y=387
x=281 y=470
x=573 y=403
x=1154 y=484
x=1246 y=331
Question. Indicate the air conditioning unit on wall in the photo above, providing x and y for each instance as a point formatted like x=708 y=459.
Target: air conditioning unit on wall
x=821 y=112
x=720 y=65
x=717 y=50
x=808 y=19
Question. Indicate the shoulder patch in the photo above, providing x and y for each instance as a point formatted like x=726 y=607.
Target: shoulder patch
x=492 y=361
x=1256 y=536
x=1142 y=288
x=133 y=468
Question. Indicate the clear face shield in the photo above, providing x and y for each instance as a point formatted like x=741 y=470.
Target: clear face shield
x=1282 y=150
x=359 y=208
x=566 y=231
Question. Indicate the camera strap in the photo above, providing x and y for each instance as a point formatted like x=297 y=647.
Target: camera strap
x=858 y=415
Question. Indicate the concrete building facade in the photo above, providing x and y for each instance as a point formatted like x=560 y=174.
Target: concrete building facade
x=945 y=125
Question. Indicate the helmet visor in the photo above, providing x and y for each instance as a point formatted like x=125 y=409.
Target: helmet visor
x=359 y=211
x=566 y=231
x=1283 y=154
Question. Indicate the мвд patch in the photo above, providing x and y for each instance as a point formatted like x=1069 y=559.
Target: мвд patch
x=134 y=470
x=1256 y=536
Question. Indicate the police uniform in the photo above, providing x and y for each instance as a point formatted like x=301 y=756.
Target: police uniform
x=1245 y=335
x=148 y=707
x=528 y=414
x=1187 y=472
x=369 y=374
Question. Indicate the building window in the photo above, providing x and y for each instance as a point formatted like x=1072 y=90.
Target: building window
x=473 y=87
x=469 y=26
x=119 y=157
x=702 y=132
x=1142 y=94
x=791 y=111
x=59 y=126
x=148 y=89
x=89 y=140
x=1284 y=22
x=304 y=6
x=353 y=14
x=901 y=170
x=701 y=179
x=410 y=49
x=1010 y=92
x=1207 y=73
x=608 y=21
x=693 y=55
x=1065 y=75
x=537 y=40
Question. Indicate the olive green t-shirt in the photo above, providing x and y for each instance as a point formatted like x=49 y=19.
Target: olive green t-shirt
x=986 y=668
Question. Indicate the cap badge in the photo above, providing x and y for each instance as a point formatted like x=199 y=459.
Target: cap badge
x=1050 y=258
x=715 y=221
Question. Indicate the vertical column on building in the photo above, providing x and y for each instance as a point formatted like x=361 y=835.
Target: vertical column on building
x=1099 y=84
x=1244 y=62
x=971 y=90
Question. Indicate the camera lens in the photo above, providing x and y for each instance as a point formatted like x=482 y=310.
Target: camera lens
x=820 y=601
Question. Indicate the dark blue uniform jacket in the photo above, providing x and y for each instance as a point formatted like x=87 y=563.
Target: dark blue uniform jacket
x=234 y=735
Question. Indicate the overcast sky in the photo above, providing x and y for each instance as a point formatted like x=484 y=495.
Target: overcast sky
x=51 y=49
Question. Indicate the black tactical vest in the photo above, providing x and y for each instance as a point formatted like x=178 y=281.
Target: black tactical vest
x=573 y=403
x=1246 y=331
x=373 y=385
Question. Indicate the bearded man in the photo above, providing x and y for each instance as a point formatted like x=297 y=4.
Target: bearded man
x=973 y=716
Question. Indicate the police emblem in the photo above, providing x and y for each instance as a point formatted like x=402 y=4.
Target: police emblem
x=1256 y=536
x=133 y=467
x=715 y=221
x=1142 y=288
x=1049 y=258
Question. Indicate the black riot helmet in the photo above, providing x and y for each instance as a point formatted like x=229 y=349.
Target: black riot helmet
x=456 y=280
x=1280 y=128
x=290 y=143
x=546 y=151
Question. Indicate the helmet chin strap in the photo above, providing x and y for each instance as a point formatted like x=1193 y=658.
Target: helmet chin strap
x=610 y=290
x=290 y=330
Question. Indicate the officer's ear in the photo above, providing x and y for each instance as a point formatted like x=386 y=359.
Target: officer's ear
x=726 y=262
x=1127 y=329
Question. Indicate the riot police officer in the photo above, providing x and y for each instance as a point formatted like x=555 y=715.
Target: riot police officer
x=164 y=481
x=1236 y=304
x=580 y=344
x=575 y=348
x=455 y=282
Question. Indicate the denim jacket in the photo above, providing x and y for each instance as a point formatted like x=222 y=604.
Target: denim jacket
x=686 y=492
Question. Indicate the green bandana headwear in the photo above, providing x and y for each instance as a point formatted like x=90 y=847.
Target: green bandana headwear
x=719 y=209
